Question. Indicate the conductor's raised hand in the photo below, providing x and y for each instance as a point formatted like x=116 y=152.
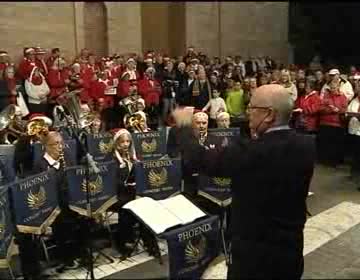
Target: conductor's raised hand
x=183 y=116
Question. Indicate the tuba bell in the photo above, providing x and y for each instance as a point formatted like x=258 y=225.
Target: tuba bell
x=135 y=122
x=71 y=102
x=8 y=134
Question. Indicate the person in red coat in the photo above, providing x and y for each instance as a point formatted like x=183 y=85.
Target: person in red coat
x=98 y=87
x=55 y=53
x=27 y=64
x=79 y=80
x=123 y=86
x=307 y=106
x=149 y=88
x=4 y=60
x=40 y=61
x=331 y=135
x=58 y=79
x=95 y=67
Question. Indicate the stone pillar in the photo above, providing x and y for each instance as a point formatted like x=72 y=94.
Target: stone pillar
x=255 y=28
x=202 y=25
x=124 y=27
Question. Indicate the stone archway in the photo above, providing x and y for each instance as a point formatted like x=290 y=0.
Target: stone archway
x=95 y=27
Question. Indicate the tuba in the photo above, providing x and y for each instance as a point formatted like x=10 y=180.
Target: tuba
x=37 y=129
x=7 y=120
x=71 y=102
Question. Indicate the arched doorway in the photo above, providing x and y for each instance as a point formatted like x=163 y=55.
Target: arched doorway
x=95 y=26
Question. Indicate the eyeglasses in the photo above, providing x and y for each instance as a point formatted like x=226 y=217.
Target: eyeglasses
x=250 y=107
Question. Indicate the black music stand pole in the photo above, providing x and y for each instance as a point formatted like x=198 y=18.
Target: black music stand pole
x=89 y=164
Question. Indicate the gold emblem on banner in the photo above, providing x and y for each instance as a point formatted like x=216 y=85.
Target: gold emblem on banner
x=222 y=182
x=149 y=147
x=37 y=199
x=195 y=250
x=95 y=187
x=2 y=224
x=157 y=179
x=106 y=148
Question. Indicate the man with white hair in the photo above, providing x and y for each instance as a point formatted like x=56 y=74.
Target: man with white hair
x=345 y=86
x=271 y=174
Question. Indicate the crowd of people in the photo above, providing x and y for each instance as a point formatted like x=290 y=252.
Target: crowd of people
x=154 y=84
x=126 y=94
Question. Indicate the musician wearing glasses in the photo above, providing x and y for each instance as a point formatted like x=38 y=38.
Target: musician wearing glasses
x=68 y=225
x=271 y=174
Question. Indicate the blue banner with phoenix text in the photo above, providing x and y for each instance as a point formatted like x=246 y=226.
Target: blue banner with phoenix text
x=6 y=227
x=159 y=178
x=100 y=146
x=150 y=145
x=35 y=202
x=227 y=134
x=192 y=247
x=101 y=186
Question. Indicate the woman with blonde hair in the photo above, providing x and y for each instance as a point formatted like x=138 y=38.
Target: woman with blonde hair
x=286 y=82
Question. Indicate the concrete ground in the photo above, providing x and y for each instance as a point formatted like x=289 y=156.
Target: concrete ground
x=337 y=258
x=332 y=237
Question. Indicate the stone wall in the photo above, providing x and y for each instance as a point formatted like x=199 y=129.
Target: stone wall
x=217 y=28
x=48 y=24
x=244 y=28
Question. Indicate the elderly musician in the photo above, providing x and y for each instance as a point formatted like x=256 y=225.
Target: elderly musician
x=68 y=225
x=271 y=180
x=223 y=120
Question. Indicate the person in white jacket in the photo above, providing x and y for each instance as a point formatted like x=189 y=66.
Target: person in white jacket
x=286 y=82
x=345 y=86
x=216 y=106
x=37 y=91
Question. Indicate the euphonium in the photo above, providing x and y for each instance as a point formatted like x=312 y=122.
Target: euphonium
x=135 y=122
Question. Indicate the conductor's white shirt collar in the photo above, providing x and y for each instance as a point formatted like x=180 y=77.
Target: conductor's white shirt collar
x=279 y=127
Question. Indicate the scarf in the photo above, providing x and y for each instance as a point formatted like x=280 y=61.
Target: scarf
x=197 y=88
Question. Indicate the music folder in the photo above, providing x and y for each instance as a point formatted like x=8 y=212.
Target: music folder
x=160 y=215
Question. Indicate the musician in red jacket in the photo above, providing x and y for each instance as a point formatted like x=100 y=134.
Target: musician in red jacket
x=27 y=64
x=149 y=88
x=40 y=61
x=332 y=128
x=307 y=107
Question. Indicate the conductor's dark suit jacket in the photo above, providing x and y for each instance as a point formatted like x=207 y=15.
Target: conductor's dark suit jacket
x=271 y=178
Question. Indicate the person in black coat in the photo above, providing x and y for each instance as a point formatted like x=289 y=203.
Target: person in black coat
x=271 y=174
x=69 y=228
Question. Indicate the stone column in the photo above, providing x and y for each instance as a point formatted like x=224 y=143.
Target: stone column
x=124 y=27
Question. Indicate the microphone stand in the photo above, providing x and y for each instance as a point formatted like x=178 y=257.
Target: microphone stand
x=90 y=164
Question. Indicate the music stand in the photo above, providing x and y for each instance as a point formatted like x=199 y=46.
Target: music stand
x=89 y=164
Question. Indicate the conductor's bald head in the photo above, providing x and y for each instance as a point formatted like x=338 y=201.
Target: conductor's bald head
x=270 y=105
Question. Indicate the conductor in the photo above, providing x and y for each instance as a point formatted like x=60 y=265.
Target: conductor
x=271 y=174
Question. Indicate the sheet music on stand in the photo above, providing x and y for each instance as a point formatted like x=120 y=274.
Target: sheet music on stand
x=160 y=215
